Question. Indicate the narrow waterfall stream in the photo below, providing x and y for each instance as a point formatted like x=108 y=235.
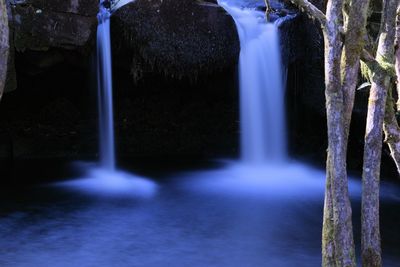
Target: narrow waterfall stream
x=262 y=116
x=105 y=95
x=107 y=179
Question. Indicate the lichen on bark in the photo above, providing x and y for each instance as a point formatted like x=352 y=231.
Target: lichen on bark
x=381 y=81
x=344 y=19
x=390 y=124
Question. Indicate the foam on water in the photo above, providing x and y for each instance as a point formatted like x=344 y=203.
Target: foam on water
x=294 y=180
x=105 y=182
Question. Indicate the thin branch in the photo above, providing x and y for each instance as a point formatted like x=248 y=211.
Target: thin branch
x=268 y=9
x=312 y=10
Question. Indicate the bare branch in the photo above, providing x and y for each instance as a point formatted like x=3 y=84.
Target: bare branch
x=312 y=10
x=268 y=9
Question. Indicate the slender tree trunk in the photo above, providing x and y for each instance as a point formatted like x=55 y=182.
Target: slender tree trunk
x=370 y=241
x=355 y=19
x=390 y=124
x=355 y=16
x=341 y=73
x=4 y=45
x=328 y=231
x=333 y=104
x=337 y=212
x=397 y=55
x=392 y=131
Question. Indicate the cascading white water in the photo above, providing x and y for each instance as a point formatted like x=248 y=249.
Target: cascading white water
x=262 y=117
x=105 y=95
x=107 y=180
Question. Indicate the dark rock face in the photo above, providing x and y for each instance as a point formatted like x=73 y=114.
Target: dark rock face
x=38 y=30
x=53 y=113
x=39 y=24
x=292 y=46
x=87 y=8
x=178 y=38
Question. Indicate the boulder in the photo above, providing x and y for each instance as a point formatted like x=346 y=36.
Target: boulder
x=176 y=38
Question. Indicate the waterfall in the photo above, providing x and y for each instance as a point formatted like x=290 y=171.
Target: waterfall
x=107 y=180
x=105 y=95
x=262 y=115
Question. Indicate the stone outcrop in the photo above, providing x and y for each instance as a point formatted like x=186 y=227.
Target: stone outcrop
x=4 y=45
x=40 y=25
x=66 y=26
x=178 y=38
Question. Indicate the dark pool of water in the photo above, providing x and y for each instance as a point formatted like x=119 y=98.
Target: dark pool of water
x=184 y=223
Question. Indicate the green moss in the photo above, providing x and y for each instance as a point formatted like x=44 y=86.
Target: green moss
x=366 y=72
x=387 y=65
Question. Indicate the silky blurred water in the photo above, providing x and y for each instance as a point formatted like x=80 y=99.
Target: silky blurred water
x=195 y=218
x=262 y=117
x=105 y=91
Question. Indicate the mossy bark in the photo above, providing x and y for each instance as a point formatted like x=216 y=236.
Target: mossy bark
x=370 y=238
x=355 y=18
x=342 y=63
x=397 y=55
x=338 y=242
x=328 y=245
x=390 y=124
x=392 y=131
x=4 y=45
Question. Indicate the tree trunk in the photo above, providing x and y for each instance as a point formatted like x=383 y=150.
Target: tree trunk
x=392 y=131
x=397 y=55
x=355 y=19
x=4 y=45
x=337 y=233
x=390 y=124
x=337 y=210
x=328 y=237
x=370 y=240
